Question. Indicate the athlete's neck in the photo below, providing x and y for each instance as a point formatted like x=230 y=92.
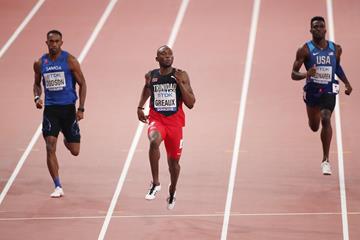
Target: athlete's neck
x=165 y=70
x=320 y=42
x=54 y=56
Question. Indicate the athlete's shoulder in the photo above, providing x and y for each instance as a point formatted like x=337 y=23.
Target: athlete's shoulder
x=150 y=73
x=303 y=51
x=37 y=65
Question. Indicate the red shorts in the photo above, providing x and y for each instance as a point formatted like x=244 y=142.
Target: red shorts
x=172 y=137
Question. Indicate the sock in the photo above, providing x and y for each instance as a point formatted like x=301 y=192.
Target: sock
x=57 y=182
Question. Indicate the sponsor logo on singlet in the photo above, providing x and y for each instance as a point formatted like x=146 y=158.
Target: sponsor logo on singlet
x=55 y=81
x=165 y=97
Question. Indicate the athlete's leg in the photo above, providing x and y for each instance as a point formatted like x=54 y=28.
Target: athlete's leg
x=51 y=159
x=71 y=130
x=174 y=169
x=313 y=114
x=73 y=147
x=154 y=154
x=173 y=145
x=326 y=132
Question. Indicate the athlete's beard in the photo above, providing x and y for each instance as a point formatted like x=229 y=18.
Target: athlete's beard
x=53 y=52
x=163 y=65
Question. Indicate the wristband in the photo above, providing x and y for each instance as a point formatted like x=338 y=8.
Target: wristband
x=81 y=109
x=141 y=108
x=36 y=98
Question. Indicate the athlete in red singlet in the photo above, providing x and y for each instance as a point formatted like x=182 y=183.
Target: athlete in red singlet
x=167 y=88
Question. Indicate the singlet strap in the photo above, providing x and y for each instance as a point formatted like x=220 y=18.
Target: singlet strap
x=331 y=45
x=310 y=46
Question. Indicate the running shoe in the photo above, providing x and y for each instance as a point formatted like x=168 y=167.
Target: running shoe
x=58 y=192
x=326 y=168
x=171 y=200
x=153 y=190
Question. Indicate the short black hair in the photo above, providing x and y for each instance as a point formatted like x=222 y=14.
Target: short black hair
x=316 y=18
x=53 y=32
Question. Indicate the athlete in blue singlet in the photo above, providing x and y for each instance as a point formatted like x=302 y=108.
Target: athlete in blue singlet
x=322 y=62
x=59 y=73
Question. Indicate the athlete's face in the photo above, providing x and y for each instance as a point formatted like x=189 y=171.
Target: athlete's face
x=318 y=29
x=54 y=43
x=165 y=57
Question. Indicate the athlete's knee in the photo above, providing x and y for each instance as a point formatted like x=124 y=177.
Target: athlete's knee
x=50 y=146
x=75 y=152
x=326 y=119
x=326 y=122
x=314 y=126
x=155 y=140
x=173 y=164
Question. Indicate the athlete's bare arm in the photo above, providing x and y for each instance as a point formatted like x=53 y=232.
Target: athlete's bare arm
x=342 y=76
x=80 y=80
x=183 y=81
x=145 y=94
x=301 y=55
x=37 y=90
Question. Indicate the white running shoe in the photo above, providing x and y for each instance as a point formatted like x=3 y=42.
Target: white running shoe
x=153 y=190
x=171 y=201
x=58 y=192
x=326 y=168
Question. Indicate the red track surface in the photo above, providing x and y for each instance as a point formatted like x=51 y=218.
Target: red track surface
x=279 y=192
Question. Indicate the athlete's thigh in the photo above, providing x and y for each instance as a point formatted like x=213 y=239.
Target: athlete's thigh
x=51 y=122
x=156 y=131
x=328 y=102
x=69 y=125
x=313 y=113
x=174 y=142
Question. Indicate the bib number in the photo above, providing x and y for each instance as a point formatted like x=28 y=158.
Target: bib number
x=54 y=81
x=323 y=74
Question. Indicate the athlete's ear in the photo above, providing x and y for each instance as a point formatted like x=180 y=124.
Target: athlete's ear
x=157 y=59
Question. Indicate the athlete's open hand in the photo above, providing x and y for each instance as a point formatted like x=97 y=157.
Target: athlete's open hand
x=348 y=89
x=141 y=116
x=39 y=103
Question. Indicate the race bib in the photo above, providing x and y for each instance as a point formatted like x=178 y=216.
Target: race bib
x=323 y=74
x=54 y=81
x=165 y=97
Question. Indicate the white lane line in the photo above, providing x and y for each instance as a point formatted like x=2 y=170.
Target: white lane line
x=21 y=27
x=37 y=134
x=135 y=141
x=240 y=122
x=330 y=18
x=204 y=215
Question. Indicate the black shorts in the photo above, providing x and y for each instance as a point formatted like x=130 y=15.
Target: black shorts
x=323 y=101
x=61 y=118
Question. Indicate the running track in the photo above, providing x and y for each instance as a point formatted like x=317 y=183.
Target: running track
x=278 y=191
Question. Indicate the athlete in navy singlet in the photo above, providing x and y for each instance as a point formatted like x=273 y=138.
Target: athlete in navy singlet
x=322 y=62
x=168 y=88
x=59 y=72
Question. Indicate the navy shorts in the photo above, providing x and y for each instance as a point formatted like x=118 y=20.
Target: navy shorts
x=61 y=118
x=323 y=101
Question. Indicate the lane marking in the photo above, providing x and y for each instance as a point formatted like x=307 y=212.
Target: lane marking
x=34 y=138
x=135 y=141
x=37 y=134
x=21 y=27
x=204 y=215
x=330 y=19
x=241 y=116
